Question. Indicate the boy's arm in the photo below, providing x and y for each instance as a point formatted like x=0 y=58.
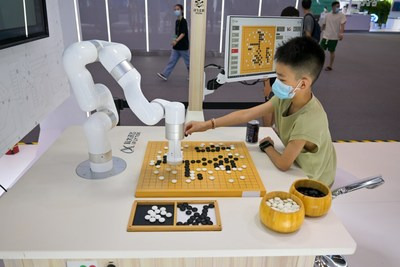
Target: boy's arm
x=234 y=118
x=285 y=160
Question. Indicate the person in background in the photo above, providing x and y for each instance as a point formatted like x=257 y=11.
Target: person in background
x=309 y=20
x=180 y=44
x=268 y=119
x=302 y=124
x=333 y=29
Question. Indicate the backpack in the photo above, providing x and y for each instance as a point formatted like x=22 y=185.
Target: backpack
x=316 y=33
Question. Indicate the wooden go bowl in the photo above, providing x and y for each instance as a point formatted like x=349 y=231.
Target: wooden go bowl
x=279 y=221
x=314 y=206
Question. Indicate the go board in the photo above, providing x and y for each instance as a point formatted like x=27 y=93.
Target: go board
x=223 y=169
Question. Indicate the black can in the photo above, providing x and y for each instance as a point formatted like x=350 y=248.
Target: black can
x=252 y=131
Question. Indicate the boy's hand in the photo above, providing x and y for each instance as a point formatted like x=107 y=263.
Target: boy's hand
x=196 y=126
x=267 y=139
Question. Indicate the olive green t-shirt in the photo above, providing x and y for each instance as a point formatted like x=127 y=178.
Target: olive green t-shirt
x=310 y=123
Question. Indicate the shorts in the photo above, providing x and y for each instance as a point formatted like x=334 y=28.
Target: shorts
x=330 y=44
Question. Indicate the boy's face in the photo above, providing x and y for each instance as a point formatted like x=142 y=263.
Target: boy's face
x=288 y=76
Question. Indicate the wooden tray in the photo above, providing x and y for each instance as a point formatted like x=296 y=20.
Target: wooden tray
x=137 y=223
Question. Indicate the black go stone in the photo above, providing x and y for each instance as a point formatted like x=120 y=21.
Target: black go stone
x=215 y=159
x=198 y=161
x=188 y=212
x=203 y=159
x=200 y=178
x=204 y=164
x=179 y=223
x=209 y=161
x=223 y=148
x=194 y=209
x=220 y=156
x=211 y=205
x=236 y=159
x=192 y=161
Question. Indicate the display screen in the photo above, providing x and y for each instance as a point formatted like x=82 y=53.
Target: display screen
x=251 y=43
x=22 y=21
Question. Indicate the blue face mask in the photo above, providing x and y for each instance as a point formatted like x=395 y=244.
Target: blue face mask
x=336 y=10
x=283 y=91
x=177 y=13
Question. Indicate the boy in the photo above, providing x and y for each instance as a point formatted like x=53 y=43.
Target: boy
x=301 y=121
x=333 y=29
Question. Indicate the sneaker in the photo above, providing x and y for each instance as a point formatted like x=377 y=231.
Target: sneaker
x=161 y=76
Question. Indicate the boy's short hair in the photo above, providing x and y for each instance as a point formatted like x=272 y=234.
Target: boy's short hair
x=306 y=4
x=303 y=55
x=335 y=3
x=290 y=11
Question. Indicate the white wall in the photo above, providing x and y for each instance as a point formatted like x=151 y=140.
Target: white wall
x=32 y=82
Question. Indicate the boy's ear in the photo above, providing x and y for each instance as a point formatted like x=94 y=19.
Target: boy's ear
x=306 y=82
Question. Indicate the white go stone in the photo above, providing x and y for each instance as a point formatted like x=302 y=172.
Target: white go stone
x=165 y=147
x=169 y=214
x=154 y=208
x=168 y=169
x=158 y=166
x=151 y=163
x=244 y=166
x=161 y=178
x=161 y=220
x=237 y=154
x=188 y=181
x=198 y=169
x=159 y=152
x=174 y=172
x=163 y=208
x=211 y=178
x=283 y=205
x=241 y=156
x=192 y=172
x=186 y=145
x=174 y=181
x=147 y=217
x=231 y=180
x=234 y=169
x=204 y=169
x=158 y=216
x=156 y=172
x=192 y=178
x=240 y=169
x=163 y=213
x=210 y=172
x=228 y=172
x=217 y=168
x=221 y=166
x=152 y=219
x=242 y=177
x=151 y=212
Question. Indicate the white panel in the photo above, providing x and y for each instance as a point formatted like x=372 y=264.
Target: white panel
x=32 y=82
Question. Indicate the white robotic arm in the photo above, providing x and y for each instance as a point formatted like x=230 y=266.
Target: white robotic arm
x=116 y=59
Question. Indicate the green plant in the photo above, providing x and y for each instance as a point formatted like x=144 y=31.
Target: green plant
x=382 y=10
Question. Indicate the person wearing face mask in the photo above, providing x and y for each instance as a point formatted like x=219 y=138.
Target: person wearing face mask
x=300 y=119
x=180 y=44
x=333 y=29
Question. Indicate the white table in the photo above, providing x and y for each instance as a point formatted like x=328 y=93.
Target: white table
x=51 y=213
